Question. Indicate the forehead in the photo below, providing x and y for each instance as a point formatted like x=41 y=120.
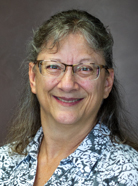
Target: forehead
x=72 y=47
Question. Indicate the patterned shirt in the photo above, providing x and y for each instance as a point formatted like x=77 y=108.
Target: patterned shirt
x=96 y=162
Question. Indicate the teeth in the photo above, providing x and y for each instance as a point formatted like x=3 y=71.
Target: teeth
x=69 y=101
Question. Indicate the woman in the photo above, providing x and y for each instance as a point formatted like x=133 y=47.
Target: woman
x=69 y=127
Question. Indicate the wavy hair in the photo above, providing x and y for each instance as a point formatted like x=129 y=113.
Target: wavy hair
x=112 y=113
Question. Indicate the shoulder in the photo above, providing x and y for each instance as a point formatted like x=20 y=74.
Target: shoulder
x=121 y=153
x=5 y=153
x=119 y=163
x=7 y=157
x=8 y=161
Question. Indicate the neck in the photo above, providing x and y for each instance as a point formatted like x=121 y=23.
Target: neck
x=60 y=140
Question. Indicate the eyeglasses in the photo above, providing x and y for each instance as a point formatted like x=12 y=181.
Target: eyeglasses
x=56 y=68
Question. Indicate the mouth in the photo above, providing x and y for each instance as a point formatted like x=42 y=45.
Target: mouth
x=68 y=100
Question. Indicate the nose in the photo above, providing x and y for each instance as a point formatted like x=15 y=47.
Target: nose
x=67 y=82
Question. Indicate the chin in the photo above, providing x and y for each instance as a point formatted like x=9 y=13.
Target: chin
x=67 y=119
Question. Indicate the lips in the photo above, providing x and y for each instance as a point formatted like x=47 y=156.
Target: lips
x=68 y=100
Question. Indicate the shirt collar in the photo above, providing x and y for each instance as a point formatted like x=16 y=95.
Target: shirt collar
x=90 y=149
x=33 y=147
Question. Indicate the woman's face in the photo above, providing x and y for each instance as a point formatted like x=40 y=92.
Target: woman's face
x=70 y=100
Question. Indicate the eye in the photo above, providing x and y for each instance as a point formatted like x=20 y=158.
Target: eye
x=85 y=68
x=56 y=67
x=52 y=67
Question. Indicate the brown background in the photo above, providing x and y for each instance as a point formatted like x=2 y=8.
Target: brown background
x=19 y=17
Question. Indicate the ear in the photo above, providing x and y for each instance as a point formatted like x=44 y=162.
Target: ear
x=109 y=80
x=32 y=77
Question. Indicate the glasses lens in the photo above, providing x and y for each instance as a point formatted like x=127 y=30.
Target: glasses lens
x=87 y=70
x=56 y=68
x=51 y=67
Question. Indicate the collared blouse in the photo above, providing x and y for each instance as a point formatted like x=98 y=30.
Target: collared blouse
x=96 y=162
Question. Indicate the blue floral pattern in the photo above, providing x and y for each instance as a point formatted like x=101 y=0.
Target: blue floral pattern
x=96 y=162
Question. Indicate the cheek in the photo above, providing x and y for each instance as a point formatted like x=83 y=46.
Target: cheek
x=94 y=89
x=46 y=84
x=88 y=86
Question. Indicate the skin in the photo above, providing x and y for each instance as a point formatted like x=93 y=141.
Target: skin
x=65 y=124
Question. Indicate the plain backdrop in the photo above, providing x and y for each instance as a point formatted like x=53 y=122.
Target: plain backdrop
x=18 y=18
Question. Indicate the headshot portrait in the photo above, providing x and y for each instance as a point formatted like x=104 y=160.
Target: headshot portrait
x=69 y=93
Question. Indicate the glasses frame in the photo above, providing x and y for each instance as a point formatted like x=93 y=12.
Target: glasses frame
x=39 y=62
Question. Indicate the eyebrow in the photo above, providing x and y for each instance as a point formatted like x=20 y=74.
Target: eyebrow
x=87 y=60
x=80 y=62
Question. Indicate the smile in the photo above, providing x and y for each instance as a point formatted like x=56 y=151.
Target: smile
x=68 y=101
